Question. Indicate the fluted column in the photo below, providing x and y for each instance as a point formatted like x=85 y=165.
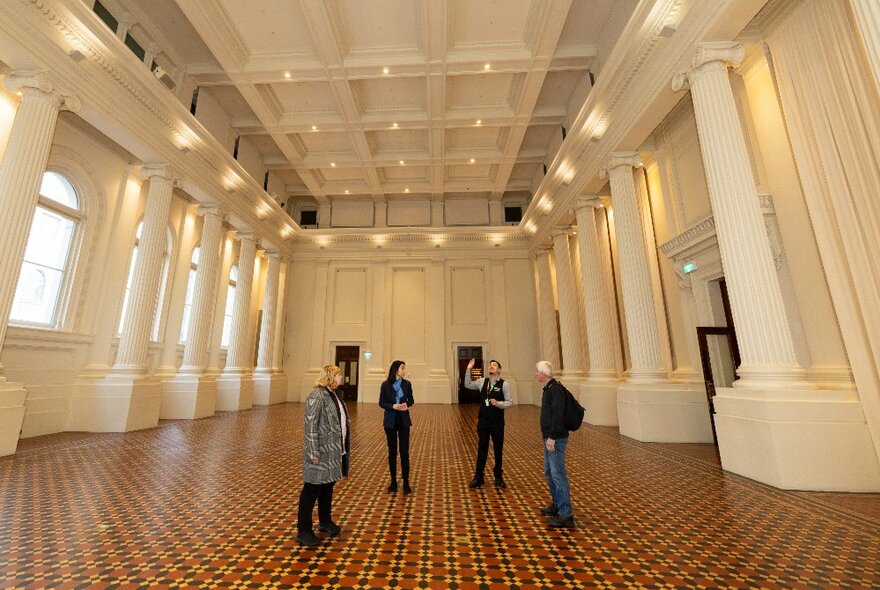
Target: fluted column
x=762 y=329
x=867 y=17
x=635 y=276
x=270 y=307
x=135 y=337
x=21 y=174
x=237 y=357
x=546 y=309
x=602 y=334
x=569 y=319
x=195 y=354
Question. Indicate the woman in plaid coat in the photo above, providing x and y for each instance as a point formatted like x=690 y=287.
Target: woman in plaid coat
x=325 y=454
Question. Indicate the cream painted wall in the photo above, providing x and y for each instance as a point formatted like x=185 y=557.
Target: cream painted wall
x=210 y=113
x=409 y=213
x=381 y=301
x=471 y=211
x=819 y=324
x=351 y=214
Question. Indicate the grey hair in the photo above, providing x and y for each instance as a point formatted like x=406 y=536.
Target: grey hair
x=545 y=368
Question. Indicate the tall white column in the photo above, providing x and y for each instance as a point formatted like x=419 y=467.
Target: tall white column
x=635 y=276
x=547 y=309
x=146 y=278
x=269 y=385
x=439 y=385
x=762 y=329
x=235 y=388
x=867 y=13
x=195 y=354
x=21 y=173
x=599 y=309
x=192 y=393
x=270 y=307
x=238 y=357
x=569 y=319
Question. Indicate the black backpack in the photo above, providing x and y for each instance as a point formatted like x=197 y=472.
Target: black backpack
x=574 y=411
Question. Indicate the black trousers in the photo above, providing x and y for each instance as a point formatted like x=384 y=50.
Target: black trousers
x=397 y=435
x=485 y=429
x=311 y=492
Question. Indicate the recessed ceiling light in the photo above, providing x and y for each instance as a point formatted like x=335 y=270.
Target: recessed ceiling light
x=314 y=127
x=472 y=160
x=287 y=75
x=402 y=162
x=333 y=164
x=394 y=125
x=385 y=71
x=479 y=121
x=406 y=190
x=347 y=192
x=487 y=66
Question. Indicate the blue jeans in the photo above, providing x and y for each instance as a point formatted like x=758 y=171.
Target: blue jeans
x=557 y=479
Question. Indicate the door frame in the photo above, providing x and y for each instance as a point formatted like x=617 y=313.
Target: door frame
x=362 y=346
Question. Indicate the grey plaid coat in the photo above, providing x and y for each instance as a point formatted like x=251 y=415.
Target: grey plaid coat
x=323 y=438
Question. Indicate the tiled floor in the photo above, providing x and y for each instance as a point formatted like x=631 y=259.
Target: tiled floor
x=212 y=503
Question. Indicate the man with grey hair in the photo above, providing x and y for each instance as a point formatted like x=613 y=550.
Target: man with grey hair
x=555 y=436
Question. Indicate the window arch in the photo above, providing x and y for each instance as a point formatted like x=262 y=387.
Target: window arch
x=48 y=261
x=230 y=306
x=190 y=292
x=160 y=300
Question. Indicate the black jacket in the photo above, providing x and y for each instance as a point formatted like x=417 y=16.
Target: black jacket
x=553 y=411
x=387 y=399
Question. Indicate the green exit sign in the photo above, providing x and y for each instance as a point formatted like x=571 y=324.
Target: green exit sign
x=689 y=267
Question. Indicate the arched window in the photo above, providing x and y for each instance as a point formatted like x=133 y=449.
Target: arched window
x=166 y=256
x=47 y=258
x=230 y=305
x=190 y=290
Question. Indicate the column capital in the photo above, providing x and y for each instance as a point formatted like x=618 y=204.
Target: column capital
x=618 y=159
x=211 y=209
x=272 y=254
x=37 y=80
x=159 y=170
x=588 y=202
x=243 y=235
x=709 y=56
x=561 y=230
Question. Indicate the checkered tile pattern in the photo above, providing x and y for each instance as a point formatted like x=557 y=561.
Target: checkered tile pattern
x=212 y=503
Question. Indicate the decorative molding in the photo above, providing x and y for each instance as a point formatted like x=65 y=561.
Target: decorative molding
x=695 y=234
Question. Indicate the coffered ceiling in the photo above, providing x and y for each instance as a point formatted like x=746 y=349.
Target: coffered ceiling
x=385 y=98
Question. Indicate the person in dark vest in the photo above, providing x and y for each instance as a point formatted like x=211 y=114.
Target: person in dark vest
x=495 y=396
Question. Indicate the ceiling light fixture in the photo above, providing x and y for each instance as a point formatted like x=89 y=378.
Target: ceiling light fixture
x=385 y=71
x=287 y=75
x=314 y=127
x=333 y=164
x=402 y=162
x=487 y=66
x=479 y=121
x=406 y=190
x=347 y=192
x=394 y=125
x=473 y=160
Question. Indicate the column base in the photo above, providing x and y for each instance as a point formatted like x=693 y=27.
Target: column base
x=12 y=406
x=664 y=412
x=119 y=402
x=235 y=392
x=188 y=396
x=599 y=398
x=270 y=388
x=797 y=439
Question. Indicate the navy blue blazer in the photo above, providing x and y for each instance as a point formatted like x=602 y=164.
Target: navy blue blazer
x=387 y=399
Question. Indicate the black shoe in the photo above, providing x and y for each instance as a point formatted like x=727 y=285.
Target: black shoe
x=550 y=510
x=330 y=527
x=476 y=483
x=559 y=523
x=406 y=488
x=307 y=538
x=392 y=487
x=499 y=482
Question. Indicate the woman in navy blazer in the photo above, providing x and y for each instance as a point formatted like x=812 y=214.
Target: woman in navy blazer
x=396 y=398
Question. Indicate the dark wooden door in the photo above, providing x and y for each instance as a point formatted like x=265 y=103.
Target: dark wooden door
x=347 y=359
x=465 y=354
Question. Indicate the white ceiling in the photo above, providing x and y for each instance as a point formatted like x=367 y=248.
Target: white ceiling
x=439 y=123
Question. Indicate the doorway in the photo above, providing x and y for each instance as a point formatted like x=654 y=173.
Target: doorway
x=347 y=359
x=719 y=353
x=465 y=354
